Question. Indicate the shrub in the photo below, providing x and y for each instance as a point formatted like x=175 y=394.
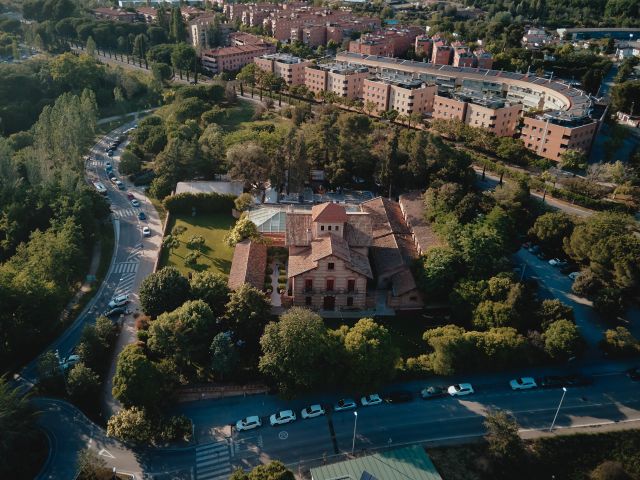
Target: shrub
x=191 y=260
x=202 y=202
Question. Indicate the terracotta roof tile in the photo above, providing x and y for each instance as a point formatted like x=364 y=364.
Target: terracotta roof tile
x=412 y=205
x=298 y=229
x=386 y=216
x=402 y=282
x=330 y=245
x=248 y=265
x=328 y=212
x=357 y=230
x=300 y=262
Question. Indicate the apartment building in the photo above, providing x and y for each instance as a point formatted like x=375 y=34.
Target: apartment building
x=551 y=134
x=115 y=14
x=198 y=30
x=462 y=57
x=343 y=79
x=229 y=59
x=391 y=42
x=287 y=67
x=404 y=94
x=483 y=59
x=565 y=124
x=423 y=46
x=441 y=54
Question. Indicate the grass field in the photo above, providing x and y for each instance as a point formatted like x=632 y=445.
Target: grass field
x=216 y=255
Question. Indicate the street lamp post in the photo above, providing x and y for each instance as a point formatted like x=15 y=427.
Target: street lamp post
x=564 y=392
x=355 y=425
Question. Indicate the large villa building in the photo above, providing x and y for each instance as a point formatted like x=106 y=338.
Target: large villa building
x=342 y=259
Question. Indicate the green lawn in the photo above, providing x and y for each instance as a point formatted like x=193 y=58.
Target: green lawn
x=241 y=113
x=216 y=256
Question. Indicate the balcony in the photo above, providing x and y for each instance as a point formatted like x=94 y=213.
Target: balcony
x=335 y=291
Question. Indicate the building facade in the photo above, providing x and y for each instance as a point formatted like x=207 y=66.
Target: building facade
x=291 y=69
x=403 y=94
x=343 y=79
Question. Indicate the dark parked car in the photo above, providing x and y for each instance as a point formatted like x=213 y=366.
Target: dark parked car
x=634 y=374
x=557 y=381
x=400 y=396
x=115 y=311
x=433 y=392
x=141 y=216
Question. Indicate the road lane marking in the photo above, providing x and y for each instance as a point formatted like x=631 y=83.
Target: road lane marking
x=105 y=453
x=213 y=461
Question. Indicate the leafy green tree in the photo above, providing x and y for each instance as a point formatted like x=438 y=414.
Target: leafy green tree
x=138 y=381
x=131 y=425
x=273 y=470
x=163 y=291
x=242 y=230
x=610 y=470
x=371 y=355
x=553 y=310
x=550 y=229
x=437 y=270
x=83 y=384
x=249 y=74
x=224 y=355
x=243 y=202
x=294 y=349
x=587 y=284
x=183 y=57
x=247 y=313
x=619 y=342
x=18 y=427
x=573 y=160
x=248 y=163
x=562 y=340
x=183 y=335
x=130 y=164
x=505 y=445
x=90 y=466
x=609 y=303
x=177 y=29
x=161 y=71
x=212 y=288
x=625 y=94
x=91 y=46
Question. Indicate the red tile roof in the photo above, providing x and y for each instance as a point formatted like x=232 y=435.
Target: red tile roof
x=248 y=265
x=328 y=213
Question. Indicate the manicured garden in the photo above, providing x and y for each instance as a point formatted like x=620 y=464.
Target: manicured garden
x=213 y=254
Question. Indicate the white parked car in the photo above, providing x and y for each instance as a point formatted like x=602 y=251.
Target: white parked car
x=119 y=301
x=312 y=411
x=556 y=262
x=460 y=389
x=70 y=361
x=146 y=232
x=248 y=423
x=523 y=383
x=574 y=275
x=345 y=404
x=282 y=418
x=373 y=399
x=135 y=203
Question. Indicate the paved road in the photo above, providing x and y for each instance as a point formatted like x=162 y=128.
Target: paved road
x=612 y=400
x=69 y=431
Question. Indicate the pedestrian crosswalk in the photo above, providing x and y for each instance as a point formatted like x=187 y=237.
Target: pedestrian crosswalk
x=125 y=212
x=134 y=254
x=126 y=267
x=96 y=163
x=213 y=461
x=125 y=284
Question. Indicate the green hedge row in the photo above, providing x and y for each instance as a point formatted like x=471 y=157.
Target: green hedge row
x=203 y=203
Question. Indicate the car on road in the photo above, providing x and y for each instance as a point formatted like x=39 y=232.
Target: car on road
x=460 y=390
x=70 y=361
x=248 y=423
x=312 y=411
x=107 y=148
x=370 y=400
x=534 y=249
x=633 y=374
x=344 y=404
x=556 y=262
x=433 y=392
x=119 y=301
x=135 y=203
x=110 y=153
x=108 y=165
x=557 y=381
x=120 y=185
x=113 y=178
x=398 y=396
x=130 y=196
x=146 y=232
x=141 y=216
x=282 y=418
x=523 y=383
x=112 y=312
x=574 y=275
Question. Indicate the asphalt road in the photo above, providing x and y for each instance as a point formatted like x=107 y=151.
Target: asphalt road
x=612 y=400
x=132 y=254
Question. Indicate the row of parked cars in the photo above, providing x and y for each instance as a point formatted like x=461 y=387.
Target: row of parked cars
x=428 y=393
x=565 y=266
